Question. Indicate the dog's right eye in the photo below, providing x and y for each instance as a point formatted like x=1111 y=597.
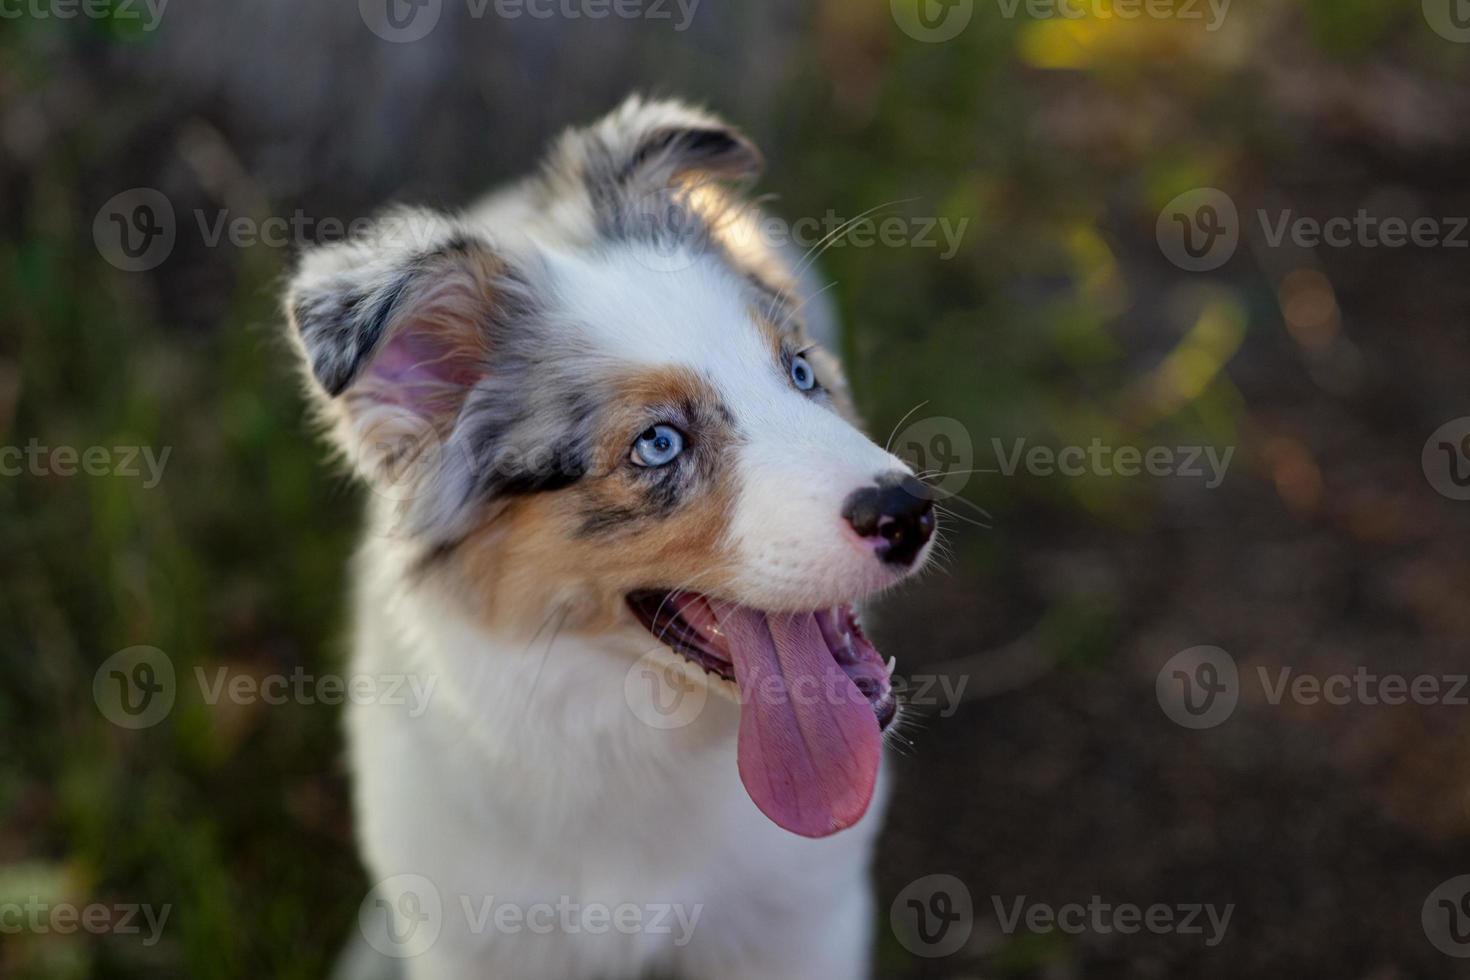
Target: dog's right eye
x=657 y=446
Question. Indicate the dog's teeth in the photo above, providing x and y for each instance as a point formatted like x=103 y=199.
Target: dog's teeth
x=892 y=663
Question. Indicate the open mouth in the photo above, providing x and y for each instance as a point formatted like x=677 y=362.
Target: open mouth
x=815 y=697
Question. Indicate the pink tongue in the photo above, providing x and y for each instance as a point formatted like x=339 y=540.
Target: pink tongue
x=809 y=741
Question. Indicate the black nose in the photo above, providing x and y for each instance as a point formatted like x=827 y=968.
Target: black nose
x=897 y=512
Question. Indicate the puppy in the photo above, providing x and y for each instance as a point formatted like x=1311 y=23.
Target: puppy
x=621 y=513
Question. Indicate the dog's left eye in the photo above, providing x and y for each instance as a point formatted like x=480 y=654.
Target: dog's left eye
x=802 y=374
x=657 y=446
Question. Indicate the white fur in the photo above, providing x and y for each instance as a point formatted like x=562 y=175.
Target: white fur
x=532 y=777
x=800 y=460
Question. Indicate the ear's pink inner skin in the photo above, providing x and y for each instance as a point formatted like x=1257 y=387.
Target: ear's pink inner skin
x=418 y=366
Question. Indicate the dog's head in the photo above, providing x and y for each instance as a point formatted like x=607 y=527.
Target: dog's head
x=612 y=408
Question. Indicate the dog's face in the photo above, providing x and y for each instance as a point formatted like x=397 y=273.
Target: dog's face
x=622 y=421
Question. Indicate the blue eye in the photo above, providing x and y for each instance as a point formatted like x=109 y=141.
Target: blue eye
x=657 y=446
x=802 y=373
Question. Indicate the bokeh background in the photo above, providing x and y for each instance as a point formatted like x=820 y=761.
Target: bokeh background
x=1060 y=319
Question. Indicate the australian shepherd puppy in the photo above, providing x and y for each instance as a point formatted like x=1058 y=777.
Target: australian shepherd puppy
x=621 y=517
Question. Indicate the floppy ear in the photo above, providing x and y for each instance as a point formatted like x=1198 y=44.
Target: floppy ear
x=643 y=147
x=401 y=331
x=408 y=283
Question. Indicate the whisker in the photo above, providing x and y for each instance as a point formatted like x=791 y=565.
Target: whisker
x=974 y=508
x=565 y=610
x=791 y=314
x=813 y=253
x=888 y=444
x=930 y=474
x=682 y=590
x=962 y=517
x=841 y=230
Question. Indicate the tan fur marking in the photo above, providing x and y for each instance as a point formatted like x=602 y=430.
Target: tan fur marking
x=533 y=555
